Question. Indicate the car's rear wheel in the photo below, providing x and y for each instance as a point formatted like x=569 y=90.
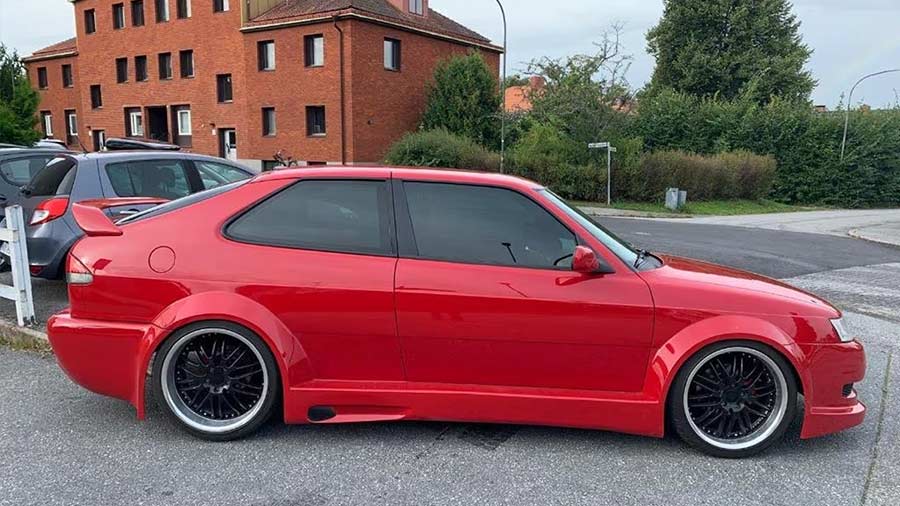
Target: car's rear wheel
x=217 y=380
x=734 y=399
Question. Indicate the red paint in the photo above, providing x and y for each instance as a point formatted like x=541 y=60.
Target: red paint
x=93 y=222
x=386 y=338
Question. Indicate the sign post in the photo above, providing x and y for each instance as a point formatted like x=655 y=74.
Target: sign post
x=609 y=151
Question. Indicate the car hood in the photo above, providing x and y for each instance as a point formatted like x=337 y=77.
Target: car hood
x=713 y=287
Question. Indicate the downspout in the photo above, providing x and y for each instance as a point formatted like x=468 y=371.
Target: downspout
x=343 y=94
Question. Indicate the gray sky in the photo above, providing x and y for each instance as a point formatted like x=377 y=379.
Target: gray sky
x=850 y=37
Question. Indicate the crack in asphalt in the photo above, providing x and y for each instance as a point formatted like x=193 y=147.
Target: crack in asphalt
x=885 y=398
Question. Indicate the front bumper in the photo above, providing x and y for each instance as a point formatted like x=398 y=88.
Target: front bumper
x=101 y=356
x=831 y=368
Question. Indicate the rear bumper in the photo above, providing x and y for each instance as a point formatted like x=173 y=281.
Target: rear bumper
x=831 y=369
x=100 y=356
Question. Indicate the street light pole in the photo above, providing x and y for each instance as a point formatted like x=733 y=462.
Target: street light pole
x=850 y=102
x=503 y=94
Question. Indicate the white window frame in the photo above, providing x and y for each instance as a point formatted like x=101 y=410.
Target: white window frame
x=136 y=121
x=417 y=7
x=187 y=9
x=184 y=127
x=119 y=16
x=72 y=122
x=165 y=13
x=389 y=54
x=269 y=46
x=48 y=124
x=226 y=6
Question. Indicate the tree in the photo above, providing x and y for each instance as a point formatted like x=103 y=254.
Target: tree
x=464 y=100
x=18 y=101
x=581 y=90
x=720 y=48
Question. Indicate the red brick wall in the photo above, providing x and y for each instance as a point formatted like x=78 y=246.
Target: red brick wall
x=217 y=46
x=56 y=99
x=387 y=104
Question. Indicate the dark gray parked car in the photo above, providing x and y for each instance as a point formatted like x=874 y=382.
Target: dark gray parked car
x=120 y=181
x=17 y=167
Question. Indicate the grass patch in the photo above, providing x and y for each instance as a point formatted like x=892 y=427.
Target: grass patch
x=710 y=208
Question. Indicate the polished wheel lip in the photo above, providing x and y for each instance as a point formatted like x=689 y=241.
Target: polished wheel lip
x=189 y=416
x=772 y=422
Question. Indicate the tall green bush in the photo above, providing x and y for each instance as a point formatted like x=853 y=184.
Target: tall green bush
x=726 y=176
x=440 y=148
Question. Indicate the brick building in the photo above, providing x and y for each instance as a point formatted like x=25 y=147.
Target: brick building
x=326 y=81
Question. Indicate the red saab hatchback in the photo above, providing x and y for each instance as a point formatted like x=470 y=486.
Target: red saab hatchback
x=375 y=294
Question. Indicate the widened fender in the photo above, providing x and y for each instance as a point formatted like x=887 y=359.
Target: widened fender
x=293 y=362
x=668 y=359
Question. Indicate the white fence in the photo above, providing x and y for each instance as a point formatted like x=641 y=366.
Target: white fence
x=20 y=291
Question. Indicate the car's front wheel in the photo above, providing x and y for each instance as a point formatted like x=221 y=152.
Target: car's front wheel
x=733 y=399
x=217 y=380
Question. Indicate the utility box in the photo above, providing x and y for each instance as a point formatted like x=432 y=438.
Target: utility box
x=672 y=199
x=682 y=198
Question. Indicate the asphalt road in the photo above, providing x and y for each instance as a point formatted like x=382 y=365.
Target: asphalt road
x=64 y=445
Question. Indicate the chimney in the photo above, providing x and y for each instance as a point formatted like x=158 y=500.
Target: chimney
x=416 y=7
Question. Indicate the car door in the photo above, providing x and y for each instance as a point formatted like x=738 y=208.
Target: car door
x=486 y=296
x=321 y=255
x=160 y=177
x=16 y=171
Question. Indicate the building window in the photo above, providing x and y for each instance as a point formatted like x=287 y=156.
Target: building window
x=67 y=79
x=165 y=65
x=221 y=6
x=186 y=60
x=118 y=11
x=183 y=9
x=137 y=12
x=42 y=78
x=134 y=122
x=90 y=21
x=223 y=88
x=121 y=70
x=162 y=11
x=47 y=124
x=392 y=54
x=417 y=7
x=71 y=127
x=266 y=54
x=140 y=68
x=184 y=121
x=96 y=96
x=315 y=120
x=314 y=50
x=268 y=121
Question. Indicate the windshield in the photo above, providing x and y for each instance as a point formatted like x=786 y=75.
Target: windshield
x=620 y=248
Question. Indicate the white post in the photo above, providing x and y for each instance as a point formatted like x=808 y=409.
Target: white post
x=609 y=177
x=18 y=259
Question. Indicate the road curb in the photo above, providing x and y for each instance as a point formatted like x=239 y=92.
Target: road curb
x=605 y=212
x=23 y=337
x=857 y=234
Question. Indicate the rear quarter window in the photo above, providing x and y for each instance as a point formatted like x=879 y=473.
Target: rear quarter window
x=57 y=178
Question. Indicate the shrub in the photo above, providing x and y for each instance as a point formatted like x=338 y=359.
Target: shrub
x=440 y=148
x=733 y=175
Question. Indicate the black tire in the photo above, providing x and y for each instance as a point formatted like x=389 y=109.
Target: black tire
x=698 y=414
x=244 y=403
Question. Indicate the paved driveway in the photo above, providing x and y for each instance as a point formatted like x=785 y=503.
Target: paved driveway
x=63 y=445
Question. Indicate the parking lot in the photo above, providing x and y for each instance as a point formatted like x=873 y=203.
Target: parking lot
x=65 y=445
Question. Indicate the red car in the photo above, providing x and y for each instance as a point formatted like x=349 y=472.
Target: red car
x=375 y=294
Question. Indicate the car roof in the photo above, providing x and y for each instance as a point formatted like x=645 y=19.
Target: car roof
x=149 y=154
x=8 y=152
x=407 y=173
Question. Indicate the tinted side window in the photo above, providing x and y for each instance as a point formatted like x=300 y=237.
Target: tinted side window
x=166 y=179
x=483 y=225
x=339 y=216
x=19 y=172
x=56 y=178
x=218 y=174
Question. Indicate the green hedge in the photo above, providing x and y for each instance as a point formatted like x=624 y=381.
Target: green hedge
x=440 y=148
x=726 y=176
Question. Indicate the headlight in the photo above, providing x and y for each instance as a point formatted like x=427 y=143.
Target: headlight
x=842 y=333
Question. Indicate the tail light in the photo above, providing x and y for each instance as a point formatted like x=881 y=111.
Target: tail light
x=49 y=210
x=77 y=273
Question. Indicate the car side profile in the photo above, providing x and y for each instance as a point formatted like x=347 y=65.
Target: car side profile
x=121 y=182
x=379 y=294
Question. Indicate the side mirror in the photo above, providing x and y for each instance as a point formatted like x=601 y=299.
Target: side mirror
x=585 y=261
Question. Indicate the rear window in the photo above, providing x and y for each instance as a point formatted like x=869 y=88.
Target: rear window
x=181 y=203
x=57 y=178
x=165 y=179
x=19 y=171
